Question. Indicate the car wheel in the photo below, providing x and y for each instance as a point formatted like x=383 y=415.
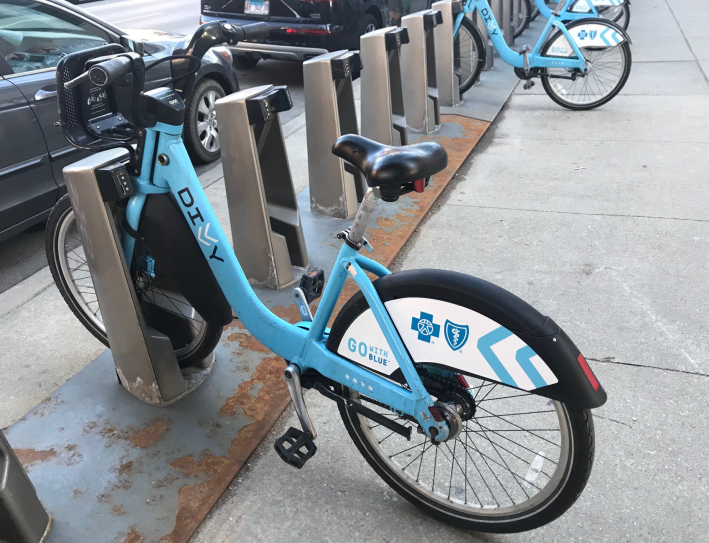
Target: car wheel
x=201 y=127
x=246 y=62
x=369 y=24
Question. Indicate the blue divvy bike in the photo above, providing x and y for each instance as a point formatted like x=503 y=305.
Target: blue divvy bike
x=467 y=401
x=583 y=63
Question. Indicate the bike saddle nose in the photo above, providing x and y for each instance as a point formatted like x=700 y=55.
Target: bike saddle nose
x=386 y=166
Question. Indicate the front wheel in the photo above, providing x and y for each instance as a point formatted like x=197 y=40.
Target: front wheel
x=519 y=462
x=469 y=54
x=521 y=22
x=620 y=15
x=608 y=69
x=192 y=337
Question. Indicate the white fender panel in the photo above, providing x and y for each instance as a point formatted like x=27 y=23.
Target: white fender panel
x=588 y=35
x=444 y=333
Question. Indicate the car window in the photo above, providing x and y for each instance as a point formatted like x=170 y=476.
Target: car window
x=35 y=36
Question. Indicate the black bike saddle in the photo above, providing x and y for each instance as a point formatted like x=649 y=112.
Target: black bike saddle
x=384 y=166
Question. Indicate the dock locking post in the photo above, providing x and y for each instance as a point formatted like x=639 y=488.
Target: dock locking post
x=418 y=61
x=23 y=518
x=336 y=187
x=447 y=73
x=383 y=111
x=145 y=359
x=266 y=229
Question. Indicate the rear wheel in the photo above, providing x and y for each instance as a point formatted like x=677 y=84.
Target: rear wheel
x=609 y=68
x=519 y=462
x=166 y=310
x=469 y=54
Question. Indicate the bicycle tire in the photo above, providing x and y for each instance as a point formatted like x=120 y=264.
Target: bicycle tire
x=472 y=510
x=476 y=58
x=624 y=49
x=209 y=334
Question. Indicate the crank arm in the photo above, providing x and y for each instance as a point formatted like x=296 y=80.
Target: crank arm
x=359 y=408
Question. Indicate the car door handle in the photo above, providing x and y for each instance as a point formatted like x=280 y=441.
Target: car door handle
x=43 y=94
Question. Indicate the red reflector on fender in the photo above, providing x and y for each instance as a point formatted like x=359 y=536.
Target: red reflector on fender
x=420 y=185
x=462 y=381
x=589 y=374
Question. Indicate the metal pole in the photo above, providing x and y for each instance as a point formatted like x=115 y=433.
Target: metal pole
x=418 y=66
x=330 y=112
x=265 y=221
x=23 y=518
x=383 y=113
x=447 y=81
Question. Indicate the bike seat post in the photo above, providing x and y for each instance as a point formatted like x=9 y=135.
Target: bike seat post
x=369 y=202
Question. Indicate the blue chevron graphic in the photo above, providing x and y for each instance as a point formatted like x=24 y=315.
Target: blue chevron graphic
x=485 y=344
x=603 y=36
x=524 y=357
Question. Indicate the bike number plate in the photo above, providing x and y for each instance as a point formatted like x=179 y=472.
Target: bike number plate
x=256 y=7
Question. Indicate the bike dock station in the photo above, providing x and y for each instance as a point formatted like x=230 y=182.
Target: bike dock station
x=144 y=358
x=384 y=117
x=336 y=188
x=259 y=187
x=418 y=59
x=138 y=471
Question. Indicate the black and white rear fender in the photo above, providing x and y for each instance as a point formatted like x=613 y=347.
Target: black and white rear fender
x=469 y=326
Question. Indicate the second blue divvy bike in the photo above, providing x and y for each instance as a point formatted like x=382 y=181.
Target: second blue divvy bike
x=464 y=399
x=583 y=63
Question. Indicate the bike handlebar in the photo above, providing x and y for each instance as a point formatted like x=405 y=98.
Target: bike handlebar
x=235 y=34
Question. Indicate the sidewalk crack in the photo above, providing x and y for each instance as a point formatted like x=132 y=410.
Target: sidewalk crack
x=610 y=360
x=596 y=416
x=689 y=46
x=629 y=216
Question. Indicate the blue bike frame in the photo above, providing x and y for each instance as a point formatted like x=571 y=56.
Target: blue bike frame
x=302 y=344
x=511 y=56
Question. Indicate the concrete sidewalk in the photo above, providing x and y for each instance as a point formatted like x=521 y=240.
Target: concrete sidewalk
x=600 y=220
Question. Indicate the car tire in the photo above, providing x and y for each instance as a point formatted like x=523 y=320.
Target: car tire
x=245 y=62
x=201 y=131
x=369 y=24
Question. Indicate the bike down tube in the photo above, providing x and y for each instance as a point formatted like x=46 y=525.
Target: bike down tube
x=516 y=59
x=286 y=340
x=177 y=173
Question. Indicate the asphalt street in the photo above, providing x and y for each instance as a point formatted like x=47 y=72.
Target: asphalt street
x=24 y=254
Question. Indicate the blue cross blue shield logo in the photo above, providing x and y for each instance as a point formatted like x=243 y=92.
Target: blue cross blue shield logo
x=593 y=33
x=425 y=327
x=582 y=35
x=456 y=334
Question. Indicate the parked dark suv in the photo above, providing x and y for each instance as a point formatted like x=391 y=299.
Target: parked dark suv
x=301 y=29
x=34 y=35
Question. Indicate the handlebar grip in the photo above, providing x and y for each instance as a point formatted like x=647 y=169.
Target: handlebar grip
x=106 y=72
x=255 y=31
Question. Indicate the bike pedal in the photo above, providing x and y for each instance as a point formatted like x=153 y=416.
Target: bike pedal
x=312 y=284
x=295 y=447
x=528 y=84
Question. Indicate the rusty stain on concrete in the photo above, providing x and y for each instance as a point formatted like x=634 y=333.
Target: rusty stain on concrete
x=148 y=436
x=27 y=457
x=133 y=537
x=119 y=510
x=249 y=342
x=124 y=468
x=196 y=501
